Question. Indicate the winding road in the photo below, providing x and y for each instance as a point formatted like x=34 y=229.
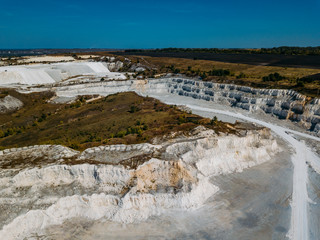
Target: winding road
x=303 y=155
x=301 y=159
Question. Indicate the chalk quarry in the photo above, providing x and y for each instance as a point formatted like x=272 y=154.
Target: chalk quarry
x=282 y=104
x=257 y=184
x=174 y=175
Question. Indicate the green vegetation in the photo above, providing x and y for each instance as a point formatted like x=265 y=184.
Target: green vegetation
x=241 y=75
x=273 y=77
x=219 y=72
x=214 y=121
x=121 y=118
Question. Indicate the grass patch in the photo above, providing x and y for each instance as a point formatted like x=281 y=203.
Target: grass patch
x=123 y=118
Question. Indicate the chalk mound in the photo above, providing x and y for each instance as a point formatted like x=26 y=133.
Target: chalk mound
x=48 y=73
x=9 y=103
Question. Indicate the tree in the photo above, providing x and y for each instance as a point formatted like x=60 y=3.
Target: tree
x=214 y=121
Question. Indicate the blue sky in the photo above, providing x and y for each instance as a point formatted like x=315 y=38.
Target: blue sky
x=158 y=24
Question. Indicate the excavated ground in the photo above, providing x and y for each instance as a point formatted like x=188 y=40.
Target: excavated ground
x=253 y=204
x=112 y=186
x=210 y=184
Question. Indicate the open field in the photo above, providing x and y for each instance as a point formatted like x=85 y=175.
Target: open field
x=297 y=61
x=242 y=74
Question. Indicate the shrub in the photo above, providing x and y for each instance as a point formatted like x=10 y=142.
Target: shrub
x=300 y=84
x=139 y=132
x=74 y=146
x=273 y=77
x=121 y=134
x=241 y=75
x=214 y=121
x=219 y=72
x=134 y=109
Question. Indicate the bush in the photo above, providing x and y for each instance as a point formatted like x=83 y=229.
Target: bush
x=203 y=75
x=74 y=146
x=139 y=132
x=214 y=121
x=241 y=75
x=182 y=119
x=134 y=109
x=177 y=70
x=121 y=134
x=273 y=77
x=300 y=84
x=219 y=72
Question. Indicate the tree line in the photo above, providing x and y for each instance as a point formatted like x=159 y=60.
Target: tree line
x=284 y=50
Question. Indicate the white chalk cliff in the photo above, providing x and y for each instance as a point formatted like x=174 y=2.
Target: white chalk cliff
x=175 y=176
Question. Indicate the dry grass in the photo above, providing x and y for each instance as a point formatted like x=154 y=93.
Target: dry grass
x=123 y=118
x=253 y=74
x=252 y=71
